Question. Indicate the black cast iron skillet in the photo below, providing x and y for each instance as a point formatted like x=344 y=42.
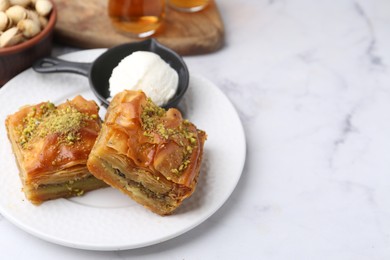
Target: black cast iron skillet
x=99 y=71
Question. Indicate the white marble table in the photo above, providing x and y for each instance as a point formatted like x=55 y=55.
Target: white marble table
x=311 y=82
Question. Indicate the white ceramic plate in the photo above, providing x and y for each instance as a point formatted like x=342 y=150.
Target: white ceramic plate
x=106 y=219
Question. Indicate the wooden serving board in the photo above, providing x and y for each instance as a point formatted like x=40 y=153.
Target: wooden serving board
x=85 y=24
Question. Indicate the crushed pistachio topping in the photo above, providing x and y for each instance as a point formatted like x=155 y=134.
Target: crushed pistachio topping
x=47 y=119
x=151 y=115
x=152 y=121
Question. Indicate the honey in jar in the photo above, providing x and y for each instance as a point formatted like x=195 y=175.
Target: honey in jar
x=140 y=18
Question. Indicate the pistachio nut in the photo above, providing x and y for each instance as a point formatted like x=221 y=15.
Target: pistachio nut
x=23 y=3
x=5 y=22
x=43 y=21
x=4 y=4
x=32 y=15
x=29 y=28
x=16 y=13
x=43 y=7
x=10 y=37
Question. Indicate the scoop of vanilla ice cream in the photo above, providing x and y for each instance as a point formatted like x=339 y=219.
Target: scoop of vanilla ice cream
x=146 y=71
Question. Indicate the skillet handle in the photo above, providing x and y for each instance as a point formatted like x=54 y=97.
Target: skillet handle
x=52 y=65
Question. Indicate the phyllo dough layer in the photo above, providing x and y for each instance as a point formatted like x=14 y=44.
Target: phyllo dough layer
x=51 y=145
x=150 y=154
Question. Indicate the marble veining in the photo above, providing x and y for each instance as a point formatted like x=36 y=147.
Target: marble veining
x=375 y=60
x=347 y=128
x=234 y=91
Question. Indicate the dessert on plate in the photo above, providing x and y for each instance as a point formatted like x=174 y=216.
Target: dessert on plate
x=148 y=153
x=51 y=146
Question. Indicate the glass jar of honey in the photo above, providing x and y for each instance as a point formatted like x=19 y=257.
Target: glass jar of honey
x=139 y=18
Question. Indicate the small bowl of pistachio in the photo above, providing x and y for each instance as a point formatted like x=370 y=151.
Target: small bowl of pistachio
x=26 y=32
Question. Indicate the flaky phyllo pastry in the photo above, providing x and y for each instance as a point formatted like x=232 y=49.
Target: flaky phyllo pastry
x=51 y=145
x=150 y=154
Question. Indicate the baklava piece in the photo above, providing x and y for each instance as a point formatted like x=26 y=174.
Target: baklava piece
x=51 y=146
x=150 y=154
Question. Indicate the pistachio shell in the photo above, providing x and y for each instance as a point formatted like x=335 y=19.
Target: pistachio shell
x=43 y=7
x=4 y=4
x=5 y=22
x=23 y=3
x=29 y=28
x=43 y=21
x=16 y=13
x=10 y=37
x=32 y=15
